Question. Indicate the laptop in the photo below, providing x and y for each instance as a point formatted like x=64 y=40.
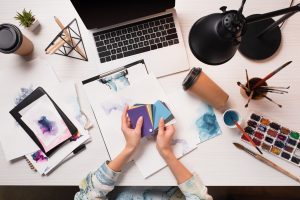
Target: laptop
x=127 y=31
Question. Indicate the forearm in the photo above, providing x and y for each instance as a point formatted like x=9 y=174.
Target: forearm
x=118 y=163
x=180 y=172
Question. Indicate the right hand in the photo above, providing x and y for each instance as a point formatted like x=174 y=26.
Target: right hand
x=164 y=139
x=132 y=136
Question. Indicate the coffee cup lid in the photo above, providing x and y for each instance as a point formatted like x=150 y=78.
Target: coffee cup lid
x=10 y=38
x=191 y=78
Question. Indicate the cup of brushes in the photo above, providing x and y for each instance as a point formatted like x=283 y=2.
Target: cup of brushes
x=258 y=88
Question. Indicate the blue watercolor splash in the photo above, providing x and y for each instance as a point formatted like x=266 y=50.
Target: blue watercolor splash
x=39 y=156
x=47 y=127
x=207 y=125
x=117 y=81
x=24 y=92
x=185 y=146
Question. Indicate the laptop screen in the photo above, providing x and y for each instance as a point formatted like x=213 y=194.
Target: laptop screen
x=102 y=13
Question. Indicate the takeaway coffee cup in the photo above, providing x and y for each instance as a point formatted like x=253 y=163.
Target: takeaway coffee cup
x=200 y=85
x=13 y=41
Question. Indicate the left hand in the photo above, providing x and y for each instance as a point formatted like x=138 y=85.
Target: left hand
x=132 y=136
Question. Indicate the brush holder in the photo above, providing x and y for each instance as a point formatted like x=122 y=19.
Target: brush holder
x=256 y=95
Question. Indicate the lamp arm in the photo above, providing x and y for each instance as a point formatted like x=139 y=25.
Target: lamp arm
x=261 y=17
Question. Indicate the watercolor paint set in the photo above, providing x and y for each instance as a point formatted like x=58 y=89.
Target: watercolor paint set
x=274 y=138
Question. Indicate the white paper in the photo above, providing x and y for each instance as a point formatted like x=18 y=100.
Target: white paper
x=108 y=110
x=16 y=83
x=193 y=116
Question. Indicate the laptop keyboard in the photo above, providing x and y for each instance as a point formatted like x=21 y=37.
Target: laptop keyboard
x=139 y=37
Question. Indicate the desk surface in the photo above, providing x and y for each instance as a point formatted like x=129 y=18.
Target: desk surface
x=217 y=161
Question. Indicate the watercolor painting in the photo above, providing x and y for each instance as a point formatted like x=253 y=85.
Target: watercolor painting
x=115 y=104
x=207 y=124
x=46 y=123
x=185 y=145
x=73 y=103
x=117 y=81
x=122 y=77
x=24 y=92
x=39 y=157
x=47 y=126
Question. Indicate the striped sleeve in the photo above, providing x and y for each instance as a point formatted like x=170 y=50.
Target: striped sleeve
x=194 y=189
x=97 y=184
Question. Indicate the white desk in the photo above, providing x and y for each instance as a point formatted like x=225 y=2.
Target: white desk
x=217 y=161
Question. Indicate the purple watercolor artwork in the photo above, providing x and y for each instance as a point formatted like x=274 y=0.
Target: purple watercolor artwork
x=47 y=127
x=39 y=157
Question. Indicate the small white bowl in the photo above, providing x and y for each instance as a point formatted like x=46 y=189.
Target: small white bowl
x=239 y=121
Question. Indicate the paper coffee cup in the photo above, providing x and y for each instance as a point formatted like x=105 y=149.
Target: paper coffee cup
x=200 y=85
x=13 y=41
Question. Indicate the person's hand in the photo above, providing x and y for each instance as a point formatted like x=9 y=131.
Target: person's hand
x=132 y=136
x=164 y=139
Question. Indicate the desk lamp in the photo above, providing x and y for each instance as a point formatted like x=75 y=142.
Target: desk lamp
x=215 y=38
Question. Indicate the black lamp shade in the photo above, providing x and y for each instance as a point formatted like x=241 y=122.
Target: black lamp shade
x=209 y=42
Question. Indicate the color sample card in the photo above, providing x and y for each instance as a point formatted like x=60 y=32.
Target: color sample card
x=161 y=111
x=151 y=114
x=138 y=111
x=46 y=123
x=274 y=138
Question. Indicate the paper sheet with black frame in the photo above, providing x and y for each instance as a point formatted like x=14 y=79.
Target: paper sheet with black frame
x=36 y=94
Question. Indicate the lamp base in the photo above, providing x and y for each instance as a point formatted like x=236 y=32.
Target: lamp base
x=259 y=48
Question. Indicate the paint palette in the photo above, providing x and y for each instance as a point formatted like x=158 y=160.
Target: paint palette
x=274 y=138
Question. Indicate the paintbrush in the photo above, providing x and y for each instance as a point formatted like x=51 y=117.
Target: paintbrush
x=246 y=135
x=249 y=98
x=275 y=87
x=271 y=90
x=271 y=100
x=247 y=78
x=262 y=81
x=243 y=87
x=266 y=161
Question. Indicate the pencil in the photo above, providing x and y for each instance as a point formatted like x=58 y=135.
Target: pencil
x=77 y=48
x=266 y=161
x=262 y=81
x=246 y=135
